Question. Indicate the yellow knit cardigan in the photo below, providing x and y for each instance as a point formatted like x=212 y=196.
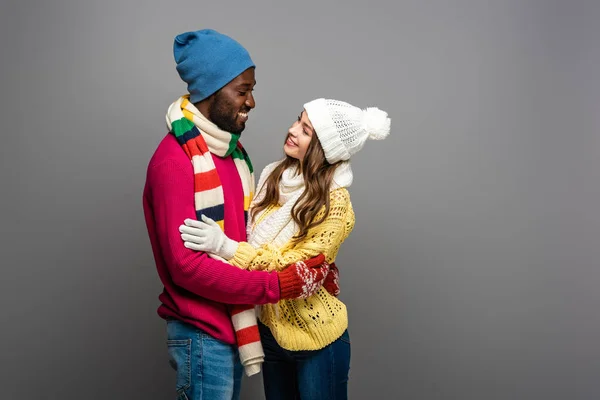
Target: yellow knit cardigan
x=315 y=322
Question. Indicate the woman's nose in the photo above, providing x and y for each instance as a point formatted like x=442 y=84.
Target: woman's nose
x=292 y=131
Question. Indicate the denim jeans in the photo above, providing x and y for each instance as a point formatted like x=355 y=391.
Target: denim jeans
x=207 y=369
x=305 y=375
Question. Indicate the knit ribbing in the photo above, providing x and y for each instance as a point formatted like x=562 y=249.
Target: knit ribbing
x=309 y=324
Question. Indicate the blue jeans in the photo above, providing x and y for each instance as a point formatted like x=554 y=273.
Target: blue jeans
x=306 y=375
x=207 y=369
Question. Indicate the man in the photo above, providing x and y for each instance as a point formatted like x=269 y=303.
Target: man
x=198 y=169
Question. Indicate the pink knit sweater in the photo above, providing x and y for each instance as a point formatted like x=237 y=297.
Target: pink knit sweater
x=195 y=285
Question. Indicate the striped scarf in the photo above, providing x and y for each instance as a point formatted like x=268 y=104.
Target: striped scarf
x=200 y=137
x=186 y=122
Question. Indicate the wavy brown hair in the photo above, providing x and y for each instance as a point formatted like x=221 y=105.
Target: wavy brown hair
x=318 y=176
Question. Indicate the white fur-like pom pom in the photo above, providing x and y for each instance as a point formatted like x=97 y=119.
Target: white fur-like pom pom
x=376 y=123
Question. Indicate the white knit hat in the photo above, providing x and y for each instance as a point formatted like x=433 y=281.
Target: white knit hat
x=343 y=128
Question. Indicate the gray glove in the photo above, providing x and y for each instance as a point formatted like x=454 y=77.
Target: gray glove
x=207 y=236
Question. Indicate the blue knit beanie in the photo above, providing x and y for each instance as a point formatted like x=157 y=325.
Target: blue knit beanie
x=208 y=60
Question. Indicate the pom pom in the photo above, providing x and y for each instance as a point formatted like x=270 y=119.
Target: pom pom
x=376 y=123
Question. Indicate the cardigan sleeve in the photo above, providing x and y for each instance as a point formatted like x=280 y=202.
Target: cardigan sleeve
x=325 y=238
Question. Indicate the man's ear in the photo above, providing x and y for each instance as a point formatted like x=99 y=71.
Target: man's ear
x=205 y=105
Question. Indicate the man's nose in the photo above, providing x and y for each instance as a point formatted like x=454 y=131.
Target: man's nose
x=250 y=103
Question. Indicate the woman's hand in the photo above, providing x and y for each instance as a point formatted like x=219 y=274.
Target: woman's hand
x=207 y=236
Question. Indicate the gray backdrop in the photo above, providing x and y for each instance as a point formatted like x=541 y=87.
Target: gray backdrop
x=472 y=272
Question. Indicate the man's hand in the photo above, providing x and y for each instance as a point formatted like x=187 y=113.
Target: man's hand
x=332 y=281
x=303 y=278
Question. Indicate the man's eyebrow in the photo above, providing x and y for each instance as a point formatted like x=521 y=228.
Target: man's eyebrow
x=247 y=84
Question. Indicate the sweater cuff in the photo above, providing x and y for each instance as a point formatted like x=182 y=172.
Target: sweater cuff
x=243 y=256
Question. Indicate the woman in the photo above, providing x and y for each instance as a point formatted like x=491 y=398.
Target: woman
x=302 y=209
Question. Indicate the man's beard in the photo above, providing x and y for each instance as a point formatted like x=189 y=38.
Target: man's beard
x=224 y=115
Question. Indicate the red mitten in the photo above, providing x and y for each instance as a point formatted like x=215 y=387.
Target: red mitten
x=332 y=281
x=302 y=279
